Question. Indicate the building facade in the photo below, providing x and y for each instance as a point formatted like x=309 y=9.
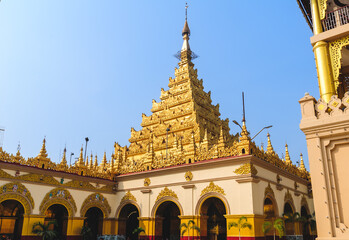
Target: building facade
x=325 y=121
x=183 y=168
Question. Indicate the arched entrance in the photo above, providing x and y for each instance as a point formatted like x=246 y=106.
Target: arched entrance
x=128 y=221
x=94 y=220
x=213 y=224
x=305 y=227
x=11 y=219
x=167 y=221
x=59 y=214
x=288 y=209
x=269 y=209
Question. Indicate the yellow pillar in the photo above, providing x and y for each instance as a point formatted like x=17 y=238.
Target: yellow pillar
x=256 y=222
x=190 y=234
x=324 y=70
x=317 y=26
x=110 y=226
x=28 y=221
x=74 y=227
x=148 y=224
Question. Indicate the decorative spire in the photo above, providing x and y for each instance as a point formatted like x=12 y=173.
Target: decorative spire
x=43 y=154
x=96 y=162
x=91 y=162
x=64 y=159
x=104 y=161
x=287 y=156
x=270 y=148
x=301 y=165
x=81 y=158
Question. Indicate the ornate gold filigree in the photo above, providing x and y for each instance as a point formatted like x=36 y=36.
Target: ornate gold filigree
x=17 y=191
x=166 y=193
x=247 y=168
x=58 y=196
x=288 y=197
x=129 y=196
x=335 y=48
x=95 y=200
x=32 y=177
x=146 y=182
x=212 y=188
x=269 y=191
x=188 y=176
x=80 y=184
x=322 y=8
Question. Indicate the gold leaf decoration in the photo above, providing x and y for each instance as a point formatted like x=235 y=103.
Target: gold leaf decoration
x=147 y=182
x=247 y=168
x=322 y=8
x=32 y=177
x=212 y=188
x=188 y=176
x=79 y=184
x=166 y=193
x=58 y=196
x=4 y=174
x=335 y=48
x=129 y=196
x=17 y=191
x=95 y=200
x=269 y=191
x=288 y=197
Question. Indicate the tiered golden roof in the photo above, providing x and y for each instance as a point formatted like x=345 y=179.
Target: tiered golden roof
x=184 y=127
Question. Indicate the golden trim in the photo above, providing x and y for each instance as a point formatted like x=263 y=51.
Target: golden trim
x=335 y=49
x=95 y=200
x=129 y=196
x=79 y=184
x=288 y=198
x=166 y=193
x=322 y=8
x=212 y=188
x=147 y=182
x=188 y=176
x=247 y=168
x=58 y=196
x=269 y=192
x=16 y=188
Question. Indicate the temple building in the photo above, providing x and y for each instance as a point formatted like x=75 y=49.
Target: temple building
x=182 y=166
x=325 y=122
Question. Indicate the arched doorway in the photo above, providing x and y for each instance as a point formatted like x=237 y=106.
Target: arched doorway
x=213 y=224
x=289 y=225
x=167 y=221
x=11 y=219
x=128 y=221
x=94 y=220
x=305 y=227
x=59 y=214
x=269 y=209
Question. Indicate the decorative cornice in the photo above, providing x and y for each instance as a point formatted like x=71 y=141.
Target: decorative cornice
x=128 y=196
x=247 y=168
x=166 y=193
x=212 y=188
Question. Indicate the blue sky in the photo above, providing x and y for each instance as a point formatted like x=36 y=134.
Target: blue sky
x=76 y=69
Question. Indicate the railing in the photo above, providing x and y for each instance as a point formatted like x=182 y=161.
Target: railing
x=336 y=18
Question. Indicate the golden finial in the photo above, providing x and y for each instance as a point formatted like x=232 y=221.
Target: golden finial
x=81 y=158
x=91 y=162
x=270 y=148
x=64 y=160
x=96 y=162
x=287 y=156
x=262 y=147
x=43 y=153
x=112 y=164
x=301 y=165
x=104 y=161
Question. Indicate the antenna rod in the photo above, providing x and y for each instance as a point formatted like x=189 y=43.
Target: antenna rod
x=186 y=11
x=243 y=108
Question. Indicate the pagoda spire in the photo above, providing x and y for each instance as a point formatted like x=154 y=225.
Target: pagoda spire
x=301 y=165
x=186 y=31
x=81 y=158
x=287 y=156
x=91 y=162
x=64 y=159
x=96 y=162
x=43 y=154
x=270 y=148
